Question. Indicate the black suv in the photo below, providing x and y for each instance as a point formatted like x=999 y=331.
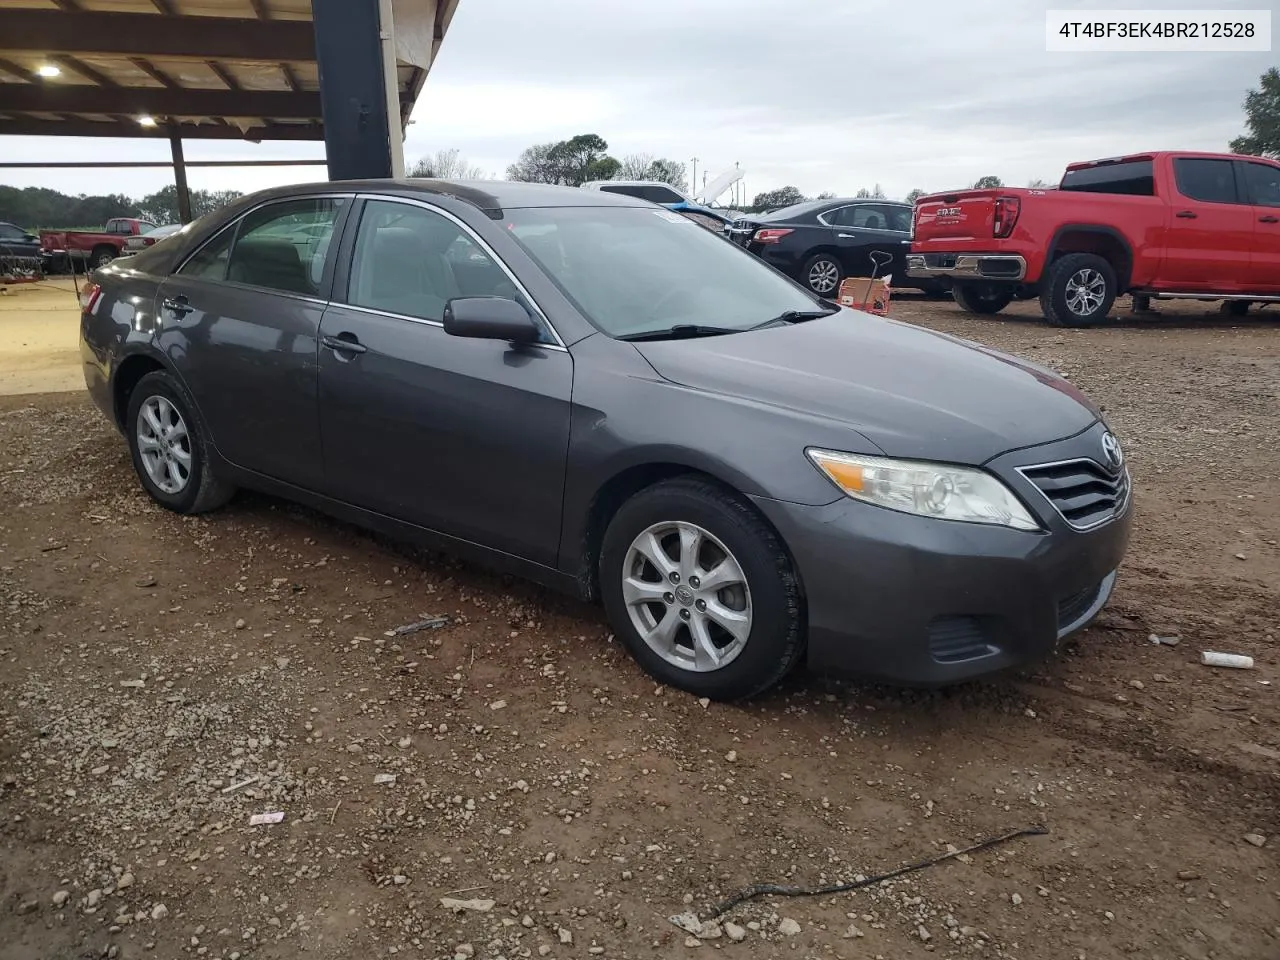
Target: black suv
x=820 y=242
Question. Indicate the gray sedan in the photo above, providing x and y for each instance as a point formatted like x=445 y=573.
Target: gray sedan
x=591 y=391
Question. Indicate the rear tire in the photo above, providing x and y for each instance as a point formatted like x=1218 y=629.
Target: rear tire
x=822 y=275
x=170 y=449
x=101 y=256
x=1078 y=291
x=982 y=298
x=660 y=610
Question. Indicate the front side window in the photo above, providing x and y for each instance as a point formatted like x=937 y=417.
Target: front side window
x=10 y=233
x=1210 y=181
x=283 y=246
x=411 y=261
x=1263 y=182
x=632 y=270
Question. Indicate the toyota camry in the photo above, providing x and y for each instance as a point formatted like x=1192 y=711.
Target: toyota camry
x=593 y=392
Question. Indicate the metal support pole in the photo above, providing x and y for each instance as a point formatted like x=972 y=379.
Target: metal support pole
x=353 y=89
x=180 y=179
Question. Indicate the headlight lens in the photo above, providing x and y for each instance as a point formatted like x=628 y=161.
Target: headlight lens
x=926 y=489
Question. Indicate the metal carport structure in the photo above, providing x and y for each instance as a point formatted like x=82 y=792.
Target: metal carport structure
x=343 y=71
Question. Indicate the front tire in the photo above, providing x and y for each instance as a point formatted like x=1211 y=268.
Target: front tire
x=701 y=591
x=822 y=275
x=1079 y=291
x=982 y=298
x=170 y=449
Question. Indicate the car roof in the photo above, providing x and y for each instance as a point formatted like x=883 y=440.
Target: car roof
x=488 y=195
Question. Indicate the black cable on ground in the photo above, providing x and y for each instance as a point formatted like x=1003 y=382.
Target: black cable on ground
x=764 y=889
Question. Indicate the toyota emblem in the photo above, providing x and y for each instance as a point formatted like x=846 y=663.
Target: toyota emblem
x=1111 y=450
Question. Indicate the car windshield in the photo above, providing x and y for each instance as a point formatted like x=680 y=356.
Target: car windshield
x=632 y=270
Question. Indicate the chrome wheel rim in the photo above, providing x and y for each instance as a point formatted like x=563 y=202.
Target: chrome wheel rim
x=164 y=445
x=823 y=276
x=1086 y=290
x=687 y=596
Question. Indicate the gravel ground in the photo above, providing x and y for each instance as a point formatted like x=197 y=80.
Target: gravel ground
x=164 y=679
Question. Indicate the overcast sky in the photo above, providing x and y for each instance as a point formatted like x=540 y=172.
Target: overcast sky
x=820 y=94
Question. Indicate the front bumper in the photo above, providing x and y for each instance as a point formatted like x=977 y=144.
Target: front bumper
x=924 y=602
x=967 y=266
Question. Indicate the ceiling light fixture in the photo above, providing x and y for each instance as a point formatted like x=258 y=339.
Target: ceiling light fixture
x=147 y=121
x=48 y=70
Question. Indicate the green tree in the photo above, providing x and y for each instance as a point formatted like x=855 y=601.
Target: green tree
x=569 y=162
x=1262 y=117
x=162 y=206
x=781 y=197
x=915 y=195
x=988 y=182
x=1037 y=183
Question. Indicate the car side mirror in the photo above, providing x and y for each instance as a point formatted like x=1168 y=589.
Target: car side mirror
x=490 y=318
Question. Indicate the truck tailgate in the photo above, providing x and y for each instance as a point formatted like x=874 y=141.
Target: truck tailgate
x=963 y=215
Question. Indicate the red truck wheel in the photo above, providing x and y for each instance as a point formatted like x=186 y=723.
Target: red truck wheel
x=102 y=256
x=1078 y=291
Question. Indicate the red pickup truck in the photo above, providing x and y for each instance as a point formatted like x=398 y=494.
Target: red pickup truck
x=1200 y=226
x=94 y=249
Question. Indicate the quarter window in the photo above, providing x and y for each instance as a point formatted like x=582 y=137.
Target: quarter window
x=1210 y=181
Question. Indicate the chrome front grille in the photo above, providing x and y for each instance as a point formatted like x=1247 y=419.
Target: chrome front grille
x=1085 y=493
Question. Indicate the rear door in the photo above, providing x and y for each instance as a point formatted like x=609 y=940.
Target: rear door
x=1262 y=181
x=862 y=229
x=241 y=318
x=1210 y=229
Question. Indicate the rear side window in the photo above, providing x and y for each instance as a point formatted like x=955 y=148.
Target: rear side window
x=283 y=246
x=1132 y=177
x=210 y=261
x=1210 y=181
x=1263 y=181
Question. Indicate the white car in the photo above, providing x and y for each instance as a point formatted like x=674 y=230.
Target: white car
x=150 y=238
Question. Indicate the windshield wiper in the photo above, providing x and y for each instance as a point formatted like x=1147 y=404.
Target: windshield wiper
x=794 y=316
x=681 y=331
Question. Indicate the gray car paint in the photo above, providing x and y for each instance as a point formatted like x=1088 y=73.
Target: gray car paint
x=504 y=453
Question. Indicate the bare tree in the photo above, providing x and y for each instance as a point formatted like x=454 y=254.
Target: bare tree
x=645 y=166
x=446 y=165
x=1037 y=182
x=865 y=194
x=635 y=166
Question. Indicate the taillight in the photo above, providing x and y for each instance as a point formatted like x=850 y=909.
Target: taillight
x=1007 y=210
x=89 y=297
x=771 y=234
x=148 y=241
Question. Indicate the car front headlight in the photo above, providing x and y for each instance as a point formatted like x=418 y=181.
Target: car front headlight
x=937 y=490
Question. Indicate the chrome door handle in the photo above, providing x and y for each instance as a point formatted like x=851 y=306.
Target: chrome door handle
x=176 y=305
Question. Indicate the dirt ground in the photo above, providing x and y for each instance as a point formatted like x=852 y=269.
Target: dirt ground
x=163 y=679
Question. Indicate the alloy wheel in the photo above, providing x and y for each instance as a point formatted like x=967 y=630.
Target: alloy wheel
x=687 y=596
x=164 y=444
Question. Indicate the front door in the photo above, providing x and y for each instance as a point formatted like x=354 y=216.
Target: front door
x=466 y=437
x=1210 y=229
x=1263 y=183
x=245 y=311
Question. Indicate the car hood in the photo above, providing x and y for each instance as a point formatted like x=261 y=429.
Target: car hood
x=914 y=393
